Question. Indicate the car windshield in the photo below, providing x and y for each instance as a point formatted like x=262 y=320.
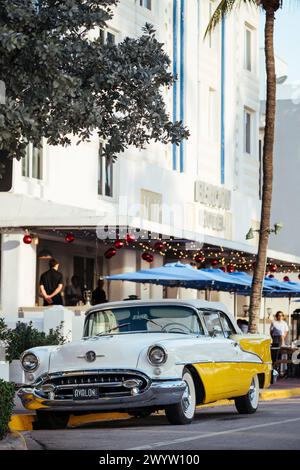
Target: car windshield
x=146 y=319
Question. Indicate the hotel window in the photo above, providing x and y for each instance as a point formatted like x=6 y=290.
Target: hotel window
x=248 y=124
x=146 y=4
x=151 y=206
x=248 y=49
x=105 y=174
x=107 y=37
x=32 y=163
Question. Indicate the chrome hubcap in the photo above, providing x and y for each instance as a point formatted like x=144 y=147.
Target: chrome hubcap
x=254 y=392
x=186 y=399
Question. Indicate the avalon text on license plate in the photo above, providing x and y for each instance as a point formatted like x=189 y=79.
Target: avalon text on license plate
x=87 y=393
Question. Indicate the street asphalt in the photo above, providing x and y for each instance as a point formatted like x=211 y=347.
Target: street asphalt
x=276 y=425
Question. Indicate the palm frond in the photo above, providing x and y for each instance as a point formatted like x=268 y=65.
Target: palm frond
x=224 y=8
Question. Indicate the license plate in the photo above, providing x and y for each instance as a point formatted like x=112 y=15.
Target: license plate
x=86 y=393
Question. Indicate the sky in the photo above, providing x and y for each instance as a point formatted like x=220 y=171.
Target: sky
x=287 y=37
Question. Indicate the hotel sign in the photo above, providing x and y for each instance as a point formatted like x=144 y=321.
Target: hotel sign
x=212 y=196
x=218 y=200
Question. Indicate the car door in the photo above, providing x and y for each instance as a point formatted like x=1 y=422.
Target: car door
x=220 y=373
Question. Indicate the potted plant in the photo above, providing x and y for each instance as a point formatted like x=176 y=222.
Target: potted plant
x=24 y=337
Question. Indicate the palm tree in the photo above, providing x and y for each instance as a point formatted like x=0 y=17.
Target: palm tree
x=270 y=7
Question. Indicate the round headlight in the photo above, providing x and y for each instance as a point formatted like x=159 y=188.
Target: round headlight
x=30 y=362
x=157 y=355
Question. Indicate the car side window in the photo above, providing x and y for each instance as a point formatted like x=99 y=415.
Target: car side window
x=213 y=324
x=227 y=325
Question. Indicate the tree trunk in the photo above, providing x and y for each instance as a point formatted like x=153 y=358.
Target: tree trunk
x=265 y=223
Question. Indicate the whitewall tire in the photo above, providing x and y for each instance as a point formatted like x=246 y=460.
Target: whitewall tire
x=184 y=412
x=248 y=404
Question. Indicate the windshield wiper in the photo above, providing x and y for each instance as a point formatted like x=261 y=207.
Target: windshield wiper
x=113 y=329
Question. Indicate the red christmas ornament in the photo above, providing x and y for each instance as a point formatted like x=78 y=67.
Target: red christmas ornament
x=130 y=238
x=286 y=279
x=119 y=244
x=271 y=276
x=230 y=268
x=199 y=259
x=110 y=253
x=215 y=262
x=223 y=269
x=273 y=268
x=159 y=246
x=69 y=238
x=147 y=257
x=27 y=239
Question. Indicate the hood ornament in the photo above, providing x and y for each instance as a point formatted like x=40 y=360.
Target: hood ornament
x=90 y=356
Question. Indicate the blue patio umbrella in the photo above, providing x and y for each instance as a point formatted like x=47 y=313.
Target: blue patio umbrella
x=173 y=274
x=183 y=275
x=282 y=289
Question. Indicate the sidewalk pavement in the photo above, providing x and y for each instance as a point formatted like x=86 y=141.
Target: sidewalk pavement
x=23 y=420
x=13 y=441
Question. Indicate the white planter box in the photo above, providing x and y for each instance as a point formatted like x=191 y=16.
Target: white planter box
x=16 y=373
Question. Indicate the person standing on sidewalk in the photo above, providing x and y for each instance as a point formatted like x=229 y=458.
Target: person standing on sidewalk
x=51 y=285
x=99 y=295
x=279 y=330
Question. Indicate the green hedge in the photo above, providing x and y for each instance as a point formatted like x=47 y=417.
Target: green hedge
x=24 y=337
x=7 y=395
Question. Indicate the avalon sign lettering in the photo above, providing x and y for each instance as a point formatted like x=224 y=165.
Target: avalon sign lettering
x=212 y=196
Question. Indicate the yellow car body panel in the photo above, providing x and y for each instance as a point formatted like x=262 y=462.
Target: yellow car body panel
x=233 y=379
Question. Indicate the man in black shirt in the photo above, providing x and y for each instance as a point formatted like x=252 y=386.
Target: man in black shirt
x=51 y=285
x=99 y=296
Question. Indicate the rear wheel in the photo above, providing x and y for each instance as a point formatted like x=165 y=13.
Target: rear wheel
x=248 y=404
x=184 y=412
x=51 y=420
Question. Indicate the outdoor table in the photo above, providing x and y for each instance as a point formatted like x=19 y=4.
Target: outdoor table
x=284 y=363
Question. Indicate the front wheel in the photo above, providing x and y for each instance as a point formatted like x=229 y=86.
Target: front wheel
x=248 y=404
x=184 y=411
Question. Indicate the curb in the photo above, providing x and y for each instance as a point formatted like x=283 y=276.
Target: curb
x=267 y=395
x=13 y=441
x=24 y=422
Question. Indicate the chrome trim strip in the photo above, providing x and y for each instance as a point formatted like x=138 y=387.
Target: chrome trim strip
x=220 y=362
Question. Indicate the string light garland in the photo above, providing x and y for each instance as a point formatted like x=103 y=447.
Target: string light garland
x=204 y=255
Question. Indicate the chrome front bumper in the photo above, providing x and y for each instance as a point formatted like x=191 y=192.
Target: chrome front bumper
x=160 y=393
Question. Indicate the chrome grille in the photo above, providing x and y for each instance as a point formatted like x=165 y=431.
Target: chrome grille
x=110 y=384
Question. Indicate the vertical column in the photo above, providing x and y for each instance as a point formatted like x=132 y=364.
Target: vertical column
x=223 y=71
x=123 y=262
x=156 y=292
x=175 y=72
x=18 y=274
x=182 y=77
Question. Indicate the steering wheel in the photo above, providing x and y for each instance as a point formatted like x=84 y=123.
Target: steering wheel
x=174 y=327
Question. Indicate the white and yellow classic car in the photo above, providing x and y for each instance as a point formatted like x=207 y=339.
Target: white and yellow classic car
x=140 y=357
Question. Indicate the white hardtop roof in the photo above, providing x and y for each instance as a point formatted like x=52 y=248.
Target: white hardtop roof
x=204 y=304
x=199 y=304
